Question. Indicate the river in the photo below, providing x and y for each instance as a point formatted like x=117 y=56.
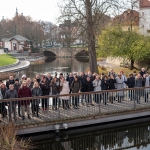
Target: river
x=59 y=65
x=93 y=138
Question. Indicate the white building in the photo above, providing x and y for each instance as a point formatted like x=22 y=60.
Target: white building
x=16 y=42
x=145 y=17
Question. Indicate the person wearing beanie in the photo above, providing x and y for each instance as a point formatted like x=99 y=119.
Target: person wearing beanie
x=23 y=78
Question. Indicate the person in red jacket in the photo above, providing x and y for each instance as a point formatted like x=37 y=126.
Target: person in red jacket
x=25 y=91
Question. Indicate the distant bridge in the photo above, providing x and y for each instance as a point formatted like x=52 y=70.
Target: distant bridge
x=65 y=52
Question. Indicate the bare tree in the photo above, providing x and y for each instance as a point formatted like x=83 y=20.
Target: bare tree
x=88 y=14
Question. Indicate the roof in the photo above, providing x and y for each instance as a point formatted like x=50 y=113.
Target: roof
x=126 y=17
x=19 y=38
x=5 y=39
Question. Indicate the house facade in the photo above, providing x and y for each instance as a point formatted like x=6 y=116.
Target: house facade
x=145 y=17
x=128 y=20
x=16 y=42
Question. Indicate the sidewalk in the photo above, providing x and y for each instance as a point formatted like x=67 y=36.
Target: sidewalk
x=22 y=65
x=2 y=51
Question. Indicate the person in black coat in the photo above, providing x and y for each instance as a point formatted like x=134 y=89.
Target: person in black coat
x=130 y=83
x=3 y=109
x=142 y=72
x=10 y=81
x=45 y=91
x=111 y=82
x=105 y=86
x=82 y=79
x=16 y=87
x=70 y=79
x=88 y=88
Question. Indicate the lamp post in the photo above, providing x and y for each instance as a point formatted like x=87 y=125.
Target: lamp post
x=63 y=38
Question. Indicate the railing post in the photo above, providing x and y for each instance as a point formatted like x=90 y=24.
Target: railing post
x=58 y=107
x=99 y=101
x=134 y=99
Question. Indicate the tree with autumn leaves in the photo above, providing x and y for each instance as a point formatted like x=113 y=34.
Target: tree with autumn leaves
x=126 y=44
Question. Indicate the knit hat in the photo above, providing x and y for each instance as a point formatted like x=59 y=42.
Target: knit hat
x=24 y=76
x=17 y=79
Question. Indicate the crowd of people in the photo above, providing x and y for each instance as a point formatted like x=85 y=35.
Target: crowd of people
x=73 y=83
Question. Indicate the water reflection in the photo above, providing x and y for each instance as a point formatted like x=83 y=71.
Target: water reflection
x=56 y=65
x=131 y=138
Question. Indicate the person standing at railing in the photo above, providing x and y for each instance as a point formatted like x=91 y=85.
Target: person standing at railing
x=11 y=93
x=90 y=75
x=112 y=73
x=76 y=88
x=89 y=88
x=65 y=90
x=97 y=87
x=105 y=86
x=54 y=90
x=16 y=87
x=147 y=84
x=82 y=79
x=36 y=91
x=10 y=81
x=23 y=92
x=38 y=79
x=30 y=83
x=23 y=78
x=124 y=79
x=131 y=83
x=45 y=91
x=142 y=72
x=3 y=109
x=139 y=81
x=49 y=78
x=112 y=82
x=70 y=79
x=120 y=86
x=3 y=91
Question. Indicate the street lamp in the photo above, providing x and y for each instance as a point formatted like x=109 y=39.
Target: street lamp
x=63 y=38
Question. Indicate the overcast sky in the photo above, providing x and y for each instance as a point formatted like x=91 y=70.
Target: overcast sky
x=45 y=10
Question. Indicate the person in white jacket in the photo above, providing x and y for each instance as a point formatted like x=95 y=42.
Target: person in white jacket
x=65 y=90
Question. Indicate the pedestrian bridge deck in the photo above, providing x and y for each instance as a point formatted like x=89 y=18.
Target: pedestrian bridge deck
x=51 y=117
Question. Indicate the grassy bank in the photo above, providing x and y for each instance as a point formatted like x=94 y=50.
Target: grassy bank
x=9 y=140
x=6 y=59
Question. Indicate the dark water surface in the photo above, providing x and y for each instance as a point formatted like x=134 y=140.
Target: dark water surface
x=127 y=138
x=58 y=65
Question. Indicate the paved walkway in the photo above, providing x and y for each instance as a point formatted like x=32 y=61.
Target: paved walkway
x=2 y=51
x=105 y=64
x=22 y=65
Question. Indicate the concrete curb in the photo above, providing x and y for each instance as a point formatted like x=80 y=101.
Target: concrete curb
x=17 y=68
x=12 y=65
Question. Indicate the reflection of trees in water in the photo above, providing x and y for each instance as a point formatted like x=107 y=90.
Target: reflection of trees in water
x=58 y=65
x=123 y=139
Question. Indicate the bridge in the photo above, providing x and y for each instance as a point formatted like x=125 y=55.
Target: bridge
x=65 y=52
x=92 y=110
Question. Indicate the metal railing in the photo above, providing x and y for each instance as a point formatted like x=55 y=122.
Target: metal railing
x=55 y=108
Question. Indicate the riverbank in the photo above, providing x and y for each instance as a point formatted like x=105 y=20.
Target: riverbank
x=6 y=59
